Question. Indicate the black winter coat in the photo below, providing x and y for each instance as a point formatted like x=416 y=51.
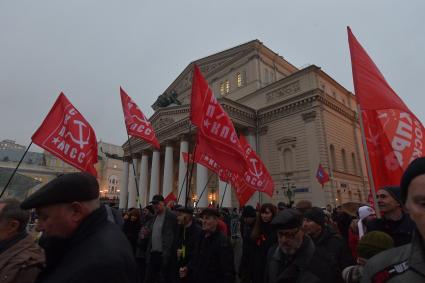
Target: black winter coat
x=253 y=263
x=305 y=266
x=213 y=260
x=332 y=247
x=401 y=231
x=97 y=252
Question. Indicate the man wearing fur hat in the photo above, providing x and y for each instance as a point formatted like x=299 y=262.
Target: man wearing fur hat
x=395 y=222
x=405 y=263
x=81 y=244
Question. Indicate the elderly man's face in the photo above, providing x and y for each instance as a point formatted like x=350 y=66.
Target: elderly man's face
x=290 y=240
x=386 y=202
x=56 y=220
x=415 y=203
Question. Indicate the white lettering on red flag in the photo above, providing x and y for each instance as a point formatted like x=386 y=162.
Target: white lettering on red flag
x=136 y=122
x=394 y=136
x=66 y=134
x=215 y=127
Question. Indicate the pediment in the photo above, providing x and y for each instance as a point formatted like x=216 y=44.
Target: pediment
x=209 y=66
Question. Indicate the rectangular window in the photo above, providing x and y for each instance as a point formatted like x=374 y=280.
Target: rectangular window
x=222 y=88
x=239 y=81
x=226 y=87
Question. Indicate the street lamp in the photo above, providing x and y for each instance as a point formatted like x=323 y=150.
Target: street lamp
x=288 y=188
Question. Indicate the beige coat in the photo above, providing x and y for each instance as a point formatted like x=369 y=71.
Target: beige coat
x=22 y=262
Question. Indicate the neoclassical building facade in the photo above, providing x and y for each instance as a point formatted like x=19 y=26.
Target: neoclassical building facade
x=294 y=118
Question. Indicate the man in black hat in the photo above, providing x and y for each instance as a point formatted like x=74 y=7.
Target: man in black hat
x=213 y=259
x=188 y=237
x=296 y=259
x=161 y=251
x=405 y=263
x=329 y=244
x=81 y=244
x=395 y=222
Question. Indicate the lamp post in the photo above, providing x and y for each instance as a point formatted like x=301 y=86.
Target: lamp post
x=288 y=187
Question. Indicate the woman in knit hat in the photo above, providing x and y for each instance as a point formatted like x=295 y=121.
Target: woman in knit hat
x=371 y=244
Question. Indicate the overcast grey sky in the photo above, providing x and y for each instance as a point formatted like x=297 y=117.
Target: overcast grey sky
x=87 y=49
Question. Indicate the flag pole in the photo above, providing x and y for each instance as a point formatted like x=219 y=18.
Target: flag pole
x=188 y=189
x=369 y=168
x=134 y=169
x=16 y=169
x=205 y=187
x=222 y=197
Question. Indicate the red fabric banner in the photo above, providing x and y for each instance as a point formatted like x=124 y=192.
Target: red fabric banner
x=322 y=176
x=257 y=176
x=136 y=122
x=66 y=134
x=243 y=191
x=170 y=197
x=394 y=136
x=216 y=135
x=186 y=157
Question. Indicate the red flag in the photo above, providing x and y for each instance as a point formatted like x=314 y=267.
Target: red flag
x=66 y=134
x=322 y=176
x=394 y=136
x=257 y=176
x=136 y=122
x=216 y=135
x=170 y=197
x=186 y=157
x=243 y=191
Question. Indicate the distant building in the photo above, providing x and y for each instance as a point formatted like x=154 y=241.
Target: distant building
x=109 y=169
x=11 y=144
x=43 y=167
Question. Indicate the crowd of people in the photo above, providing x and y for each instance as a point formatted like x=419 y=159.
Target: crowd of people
x=78 y=239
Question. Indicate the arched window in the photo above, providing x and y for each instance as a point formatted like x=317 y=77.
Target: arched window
x=353 y=159
x=333 y=157
x=113 y=182
x=344 y=160
x=288 y=160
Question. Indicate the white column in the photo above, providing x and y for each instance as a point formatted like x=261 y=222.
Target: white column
x=255 y=198
x=168 y=178
x=184 y=147
x=201 y=182
x=143 y=181
x=132 y=191
x=227 y=198
x=124 y=186
x=154 y=186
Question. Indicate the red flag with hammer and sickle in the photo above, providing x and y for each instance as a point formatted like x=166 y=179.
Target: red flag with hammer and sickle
x=66 y=134
x=394 y=135
x=136 y=122
x=257 y=176
x=216 y=134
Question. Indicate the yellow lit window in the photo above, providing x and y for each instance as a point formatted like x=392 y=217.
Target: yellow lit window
x=222 y=88
x=227 y=86
x=239 y=81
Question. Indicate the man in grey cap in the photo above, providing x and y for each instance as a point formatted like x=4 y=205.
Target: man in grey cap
x=81 y=244
x=296 y=259
x=395 y=222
